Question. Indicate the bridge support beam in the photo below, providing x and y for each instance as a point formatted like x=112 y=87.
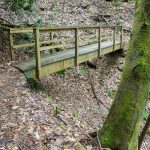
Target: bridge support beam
x=37 y=52
x=76 y=46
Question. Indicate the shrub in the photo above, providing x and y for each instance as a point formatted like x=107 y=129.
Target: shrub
x=20 y=4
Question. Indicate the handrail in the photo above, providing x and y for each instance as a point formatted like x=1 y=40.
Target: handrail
x=46 y=29
x=20 y=30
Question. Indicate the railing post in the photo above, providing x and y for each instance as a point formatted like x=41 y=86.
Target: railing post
x=51 y=38
x=121 y=38
x=37 y=53
x=99 y=42
x=114 y=38
x=51 y=35
x=12 y=52
x=76 y=45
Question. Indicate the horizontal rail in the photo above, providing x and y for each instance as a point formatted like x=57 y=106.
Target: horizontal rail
x=19 y=30
x=23 y=45
x=46 y=29
x=42 y=42
x=51 y=47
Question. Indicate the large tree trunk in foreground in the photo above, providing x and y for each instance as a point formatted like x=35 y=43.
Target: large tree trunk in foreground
x=121 y=128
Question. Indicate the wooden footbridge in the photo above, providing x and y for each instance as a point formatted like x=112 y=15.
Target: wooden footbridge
x=85 y=47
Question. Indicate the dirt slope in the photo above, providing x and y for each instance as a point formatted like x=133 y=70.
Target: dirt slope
x=29 y=119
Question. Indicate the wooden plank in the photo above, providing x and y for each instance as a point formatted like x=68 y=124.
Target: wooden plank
x=114 y=37
x=47 y=29
x=38 y=55
x=52 y=29
x=76 y=46
x=51 y=47
x=12 y=52
x=99 y=42
x=95 y=27
x=21 y=30
x=23 y=45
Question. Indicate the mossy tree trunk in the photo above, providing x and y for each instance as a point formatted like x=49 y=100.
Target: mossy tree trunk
x=121 y=128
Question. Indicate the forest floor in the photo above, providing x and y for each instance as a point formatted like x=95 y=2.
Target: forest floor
x=65 y=111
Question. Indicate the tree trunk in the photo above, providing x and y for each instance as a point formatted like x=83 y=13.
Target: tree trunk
x=121 y=128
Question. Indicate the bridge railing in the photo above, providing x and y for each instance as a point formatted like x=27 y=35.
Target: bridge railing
x=12 y=45
x=76 y=30
x=49 y=44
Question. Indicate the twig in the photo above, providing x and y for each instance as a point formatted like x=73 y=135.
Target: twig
x=106 y=20
x=93 y=89
x=59 y=118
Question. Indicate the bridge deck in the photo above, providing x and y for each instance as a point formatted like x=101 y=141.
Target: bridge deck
x=60 y=60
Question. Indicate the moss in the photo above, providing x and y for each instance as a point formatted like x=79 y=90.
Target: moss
x=140 y=72
x=112 y=136
x=133 y=143
x=141 y=47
